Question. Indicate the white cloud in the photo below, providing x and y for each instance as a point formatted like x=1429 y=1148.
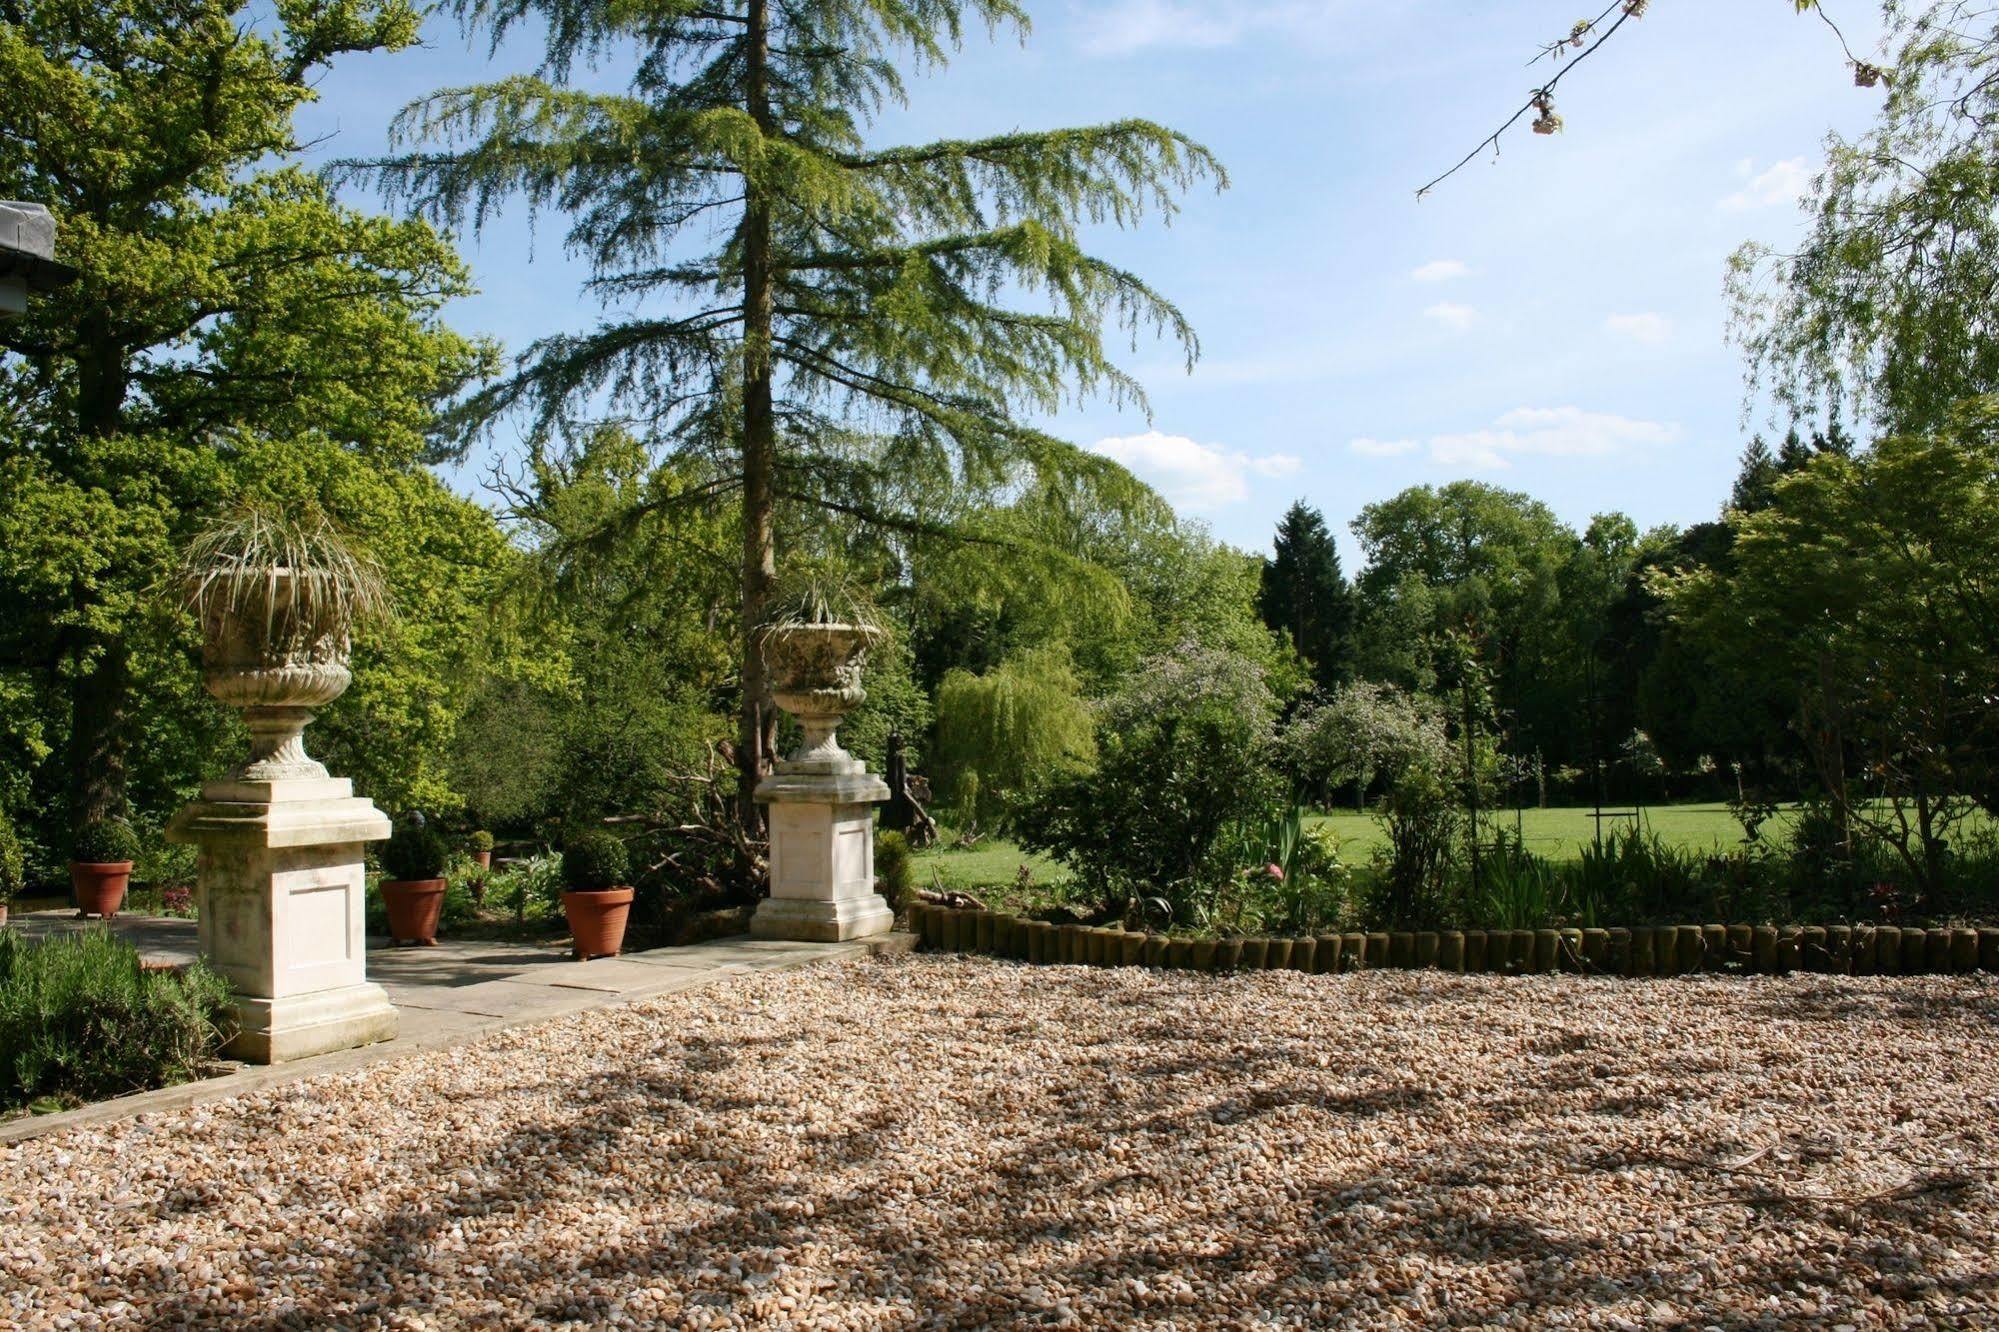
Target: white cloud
x=1650 y=328
x=1780 y=183
x=1440 y=270
x=1128 y=26
x=1547 y=432
x=1190 y=474
x=1451 y=315
x=1382 y=448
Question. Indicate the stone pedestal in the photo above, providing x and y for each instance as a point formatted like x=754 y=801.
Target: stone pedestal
x=822 y=855
x=282 y=893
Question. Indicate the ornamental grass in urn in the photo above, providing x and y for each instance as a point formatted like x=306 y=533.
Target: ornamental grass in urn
x=814 y=640
x=278 y=595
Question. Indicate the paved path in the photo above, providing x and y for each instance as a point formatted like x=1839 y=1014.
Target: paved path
x=446 y=995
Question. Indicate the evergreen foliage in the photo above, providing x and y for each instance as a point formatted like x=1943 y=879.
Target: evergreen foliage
x=594 y=862
x=1304 y=594
x=105 y=842
x=415 y=851
x=847 y=343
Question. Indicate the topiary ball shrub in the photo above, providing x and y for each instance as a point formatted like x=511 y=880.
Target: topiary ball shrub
x=106 y=842
x=82 y=1020
x=895 y=874
x=480 y=841
x=414 y=851
x=594 y=862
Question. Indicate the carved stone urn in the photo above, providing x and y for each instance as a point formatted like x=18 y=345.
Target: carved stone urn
x=263 y=653
x=815 y=675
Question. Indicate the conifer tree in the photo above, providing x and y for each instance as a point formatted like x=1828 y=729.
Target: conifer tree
x=829 y=323
x=1756 y=479
x=1305 y=595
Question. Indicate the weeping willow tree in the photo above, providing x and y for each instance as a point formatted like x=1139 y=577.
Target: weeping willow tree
x=1000 y=733
x=829 y=324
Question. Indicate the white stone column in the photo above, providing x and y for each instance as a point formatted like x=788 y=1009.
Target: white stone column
x=282 y=895
x=822 y=856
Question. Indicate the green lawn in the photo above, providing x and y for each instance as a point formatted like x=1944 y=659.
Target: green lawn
x=1555 y=833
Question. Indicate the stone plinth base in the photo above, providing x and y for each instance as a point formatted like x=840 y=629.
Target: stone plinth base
x=281 y=888
x=822 y=858
x=821 y=922
x=276 y=1031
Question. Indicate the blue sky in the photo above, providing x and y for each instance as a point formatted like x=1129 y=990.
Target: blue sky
x=1552 y=323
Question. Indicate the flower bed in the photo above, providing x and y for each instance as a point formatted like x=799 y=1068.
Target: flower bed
x=1664 y=950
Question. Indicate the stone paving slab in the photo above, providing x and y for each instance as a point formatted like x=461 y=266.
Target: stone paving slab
x=446 y=996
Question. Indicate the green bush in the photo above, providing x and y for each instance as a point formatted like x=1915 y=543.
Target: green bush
x=80 y=1020
x=528 y=889
x=105 y=842
x=480 y=841
x=594 y=861
x=895 y=873
x=414 y=851
x=13 y=863
x=1185 y=758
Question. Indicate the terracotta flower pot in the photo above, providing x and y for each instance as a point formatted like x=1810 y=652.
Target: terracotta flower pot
x=597 y=921
x=100 y=886
x=483 y=859
x=414 y=906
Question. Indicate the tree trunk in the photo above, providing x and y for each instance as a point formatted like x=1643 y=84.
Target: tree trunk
x=759 y=440
x=97 y=731
x=99 y=701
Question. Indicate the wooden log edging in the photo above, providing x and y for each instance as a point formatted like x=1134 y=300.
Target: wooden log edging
x=1645 y=950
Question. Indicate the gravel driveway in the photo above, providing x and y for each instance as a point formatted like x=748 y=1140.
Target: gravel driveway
x=942 y=1142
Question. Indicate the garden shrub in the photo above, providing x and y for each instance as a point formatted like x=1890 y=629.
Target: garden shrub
x=13 y=863
x=593 y=862
x=81 y=1020
x=528 y=889
x=1185 y=757
x=106 y=842
x=479 y=841
x=895 y=874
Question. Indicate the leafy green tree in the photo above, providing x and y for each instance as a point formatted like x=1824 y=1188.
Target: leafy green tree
x=1304 y=594
x=622 y=712
x=1886 y=305
x=224 y=295
x=1019 y=725
x=847 y=342
x=1473 y=557
x=1863 y=593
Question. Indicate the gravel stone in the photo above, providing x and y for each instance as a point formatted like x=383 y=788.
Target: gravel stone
x=949 y=1142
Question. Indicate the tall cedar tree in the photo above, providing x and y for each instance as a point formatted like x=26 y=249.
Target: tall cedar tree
x=825 y=323
x=222 y=292
x=1305 y=595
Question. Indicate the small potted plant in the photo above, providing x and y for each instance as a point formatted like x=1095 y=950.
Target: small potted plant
x=814 y=640
x=480 y=848
x=595 y=897
x=413 y=881
x=100 y=866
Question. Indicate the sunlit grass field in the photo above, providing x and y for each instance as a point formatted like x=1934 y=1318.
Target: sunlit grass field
x=1555 y=833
